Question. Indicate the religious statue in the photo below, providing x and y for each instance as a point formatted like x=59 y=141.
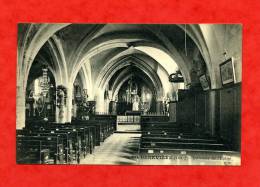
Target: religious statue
x=136 y=103
x=31 y=104
x=61 y=100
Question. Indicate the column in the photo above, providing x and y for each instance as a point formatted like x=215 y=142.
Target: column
x=159 y=107
x=100 y=102
x=20 y=108
x=212 y=112
x=112 y=107
x=69 y=103
x=172 y=111
x=75 y=108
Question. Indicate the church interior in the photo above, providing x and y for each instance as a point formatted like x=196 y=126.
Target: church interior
x=129 y=94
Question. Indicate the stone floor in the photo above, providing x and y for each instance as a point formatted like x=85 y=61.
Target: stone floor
x=122 y=149
x=118 y=149
x=128 y=128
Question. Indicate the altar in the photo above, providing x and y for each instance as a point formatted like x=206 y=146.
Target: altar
x=130 y=118
x=133 y=113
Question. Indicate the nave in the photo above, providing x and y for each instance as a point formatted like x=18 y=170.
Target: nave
x=137 y=94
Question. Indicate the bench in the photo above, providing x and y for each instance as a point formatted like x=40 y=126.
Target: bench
x=161 y=137
x=77 y=139
x=52 y=146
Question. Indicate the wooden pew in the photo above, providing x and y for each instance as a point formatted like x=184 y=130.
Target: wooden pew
x=51 y=144
x=167 y=126
x=66 y=137
x=31 y=152
x=177 y=139
x=148 y=118
x=108 y=118
x=182 y=143
x=87 y=135
x=103 y=129
x=76 y=136
x=164 y=129
x=174 y=147
x=79 y=138
x=75 y=151
x=169 y=137
x=171 y=144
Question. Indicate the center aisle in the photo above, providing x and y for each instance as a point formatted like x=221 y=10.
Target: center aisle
x=119 y=148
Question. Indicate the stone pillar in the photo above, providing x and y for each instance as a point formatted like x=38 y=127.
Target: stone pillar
x=112 y=107
x=75 y=108
x=172 y=111
x=69 y=103
x=62 y=114
x=20 y=107
x=212 y=112
x=159 y=106
x=100 y=102
x=106 y=105
x=57 y=111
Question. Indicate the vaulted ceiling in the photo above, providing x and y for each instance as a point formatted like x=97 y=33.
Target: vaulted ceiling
x=93 y=49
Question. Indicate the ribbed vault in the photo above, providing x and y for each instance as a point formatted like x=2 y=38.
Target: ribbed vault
x=98 y=51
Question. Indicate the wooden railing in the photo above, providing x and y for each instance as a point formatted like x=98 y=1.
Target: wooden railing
x=128 y=119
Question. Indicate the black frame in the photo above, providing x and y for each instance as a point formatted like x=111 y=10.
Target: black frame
x=226 y=68
x=206 y=81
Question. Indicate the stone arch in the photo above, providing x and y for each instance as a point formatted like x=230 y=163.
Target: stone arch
x=107 y=43
x=37 y=34
x=103 y=80
x=60 y=69
x=45 y=62
x=30 y=44
x=128 y=61
x=117 y=87
x=132 y=50
x=198 y=36
x=85 y=73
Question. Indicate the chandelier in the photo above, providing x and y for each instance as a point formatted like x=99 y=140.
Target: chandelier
x=45 y=81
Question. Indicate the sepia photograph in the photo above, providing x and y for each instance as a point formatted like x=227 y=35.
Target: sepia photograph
x=128 y=94
x=204 y=82
x=227 y=71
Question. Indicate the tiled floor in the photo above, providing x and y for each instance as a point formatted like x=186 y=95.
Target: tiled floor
x=122 y=149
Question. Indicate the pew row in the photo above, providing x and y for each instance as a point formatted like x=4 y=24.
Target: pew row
x=53 y=143
x=168 y=137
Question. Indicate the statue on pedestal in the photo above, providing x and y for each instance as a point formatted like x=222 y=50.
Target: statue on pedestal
x=135 y=103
